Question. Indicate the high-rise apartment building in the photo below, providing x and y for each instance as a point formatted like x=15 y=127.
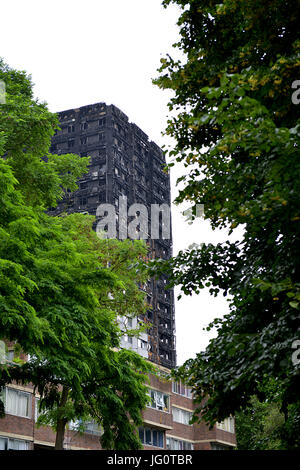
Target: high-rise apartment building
x=126 y=171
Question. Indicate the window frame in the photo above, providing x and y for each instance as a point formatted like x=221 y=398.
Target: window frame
x=88 y=427
x=9 y=439
x=182 y=413
x=128 y=339
x=228 y=425
x=152 y=400
x=142 y=344
x=158 y=432
x=179 y=386
x=18 y=392
x=174 y=439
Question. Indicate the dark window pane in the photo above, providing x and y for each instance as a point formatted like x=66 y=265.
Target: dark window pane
x=160 y=439
x=148 y=436
x=141 y=434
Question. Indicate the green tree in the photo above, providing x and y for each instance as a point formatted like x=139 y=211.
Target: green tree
x=29 y=184
x=263 y=426
x=236 y=130
x=60 y=285
x=258 y=426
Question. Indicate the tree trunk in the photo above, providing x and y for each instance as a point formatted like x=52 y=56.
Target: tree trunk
x=61 y=421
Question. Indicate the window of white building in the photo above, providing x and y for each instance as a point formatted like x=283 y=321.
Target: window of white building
x=142 y=344
x=128 y=339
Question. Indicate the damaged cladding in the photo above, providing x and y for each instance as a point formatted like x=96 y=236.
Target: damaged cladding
x=124 y=165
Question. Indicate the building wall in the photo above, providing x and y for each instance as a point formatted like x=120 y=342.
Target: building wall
x=198 y=435
x=124 y=164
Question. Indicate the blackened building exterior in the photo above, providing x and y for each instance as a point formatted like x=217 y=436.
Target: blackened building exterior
x=124 y=164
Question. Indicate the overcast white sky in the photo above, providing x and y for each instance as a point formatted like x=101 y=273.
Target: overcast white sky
x=80 y=53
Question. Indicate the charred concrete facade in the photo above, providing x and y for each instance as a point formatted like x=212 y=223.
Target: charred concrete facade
x=124 y=164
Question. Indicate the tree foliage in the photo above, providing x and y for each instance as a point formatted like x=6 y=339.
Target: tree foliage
x=236 y=131
x=263 y=426
x=258 y=426
x=61 y=287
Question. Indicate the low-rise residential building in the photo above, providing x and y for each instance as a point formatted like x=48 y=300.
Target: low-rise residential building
x=165 y=423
